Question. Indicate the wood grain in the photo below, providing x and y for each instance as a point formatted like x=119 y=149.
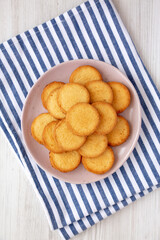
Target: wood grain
x=21 y=215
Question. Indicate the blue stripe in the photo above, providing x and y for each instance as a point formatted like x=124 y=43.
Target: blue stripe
x=101 y=35
x=10 y=104
x=73 y=229
x=81 y=224
x=141 y=165
x=119 y=185
x=15 y=72
x=64 y=199
x=84 y=198
x=53 y=196
x=53 y=43
x=101 y=191
x=70 y=35
x=90 y=220
x=9 y=136
x=89 y=32
x=74 y=198
x=130 y=55
x=21 y=63
x=44 y=46
x=33 y=174
x=62 y=40
x=129 y=184
x=99 y=216
x=64 y=233
x=28 y=56
x=36 y=51
x=11 y=85
x=109 y=185
x=135 y=175
x=79 y=33
x=93 y=195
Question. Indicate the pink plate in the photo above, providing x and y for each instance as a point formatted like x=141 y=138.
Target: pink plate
x=33 y=107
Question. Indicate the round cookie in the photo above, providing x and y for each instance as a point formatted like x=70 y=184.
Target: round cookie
x=39 y=124
x=99 y=91
x=108 y=117
x=65 y=162
x=101 y=164
x=82 y=119
x=49 y=140
x=120 y=133
x=94 y=146
x=72 y=93
x=48 y=89
x=52 y=105
x=121 y=96
x=85 y=74
x=66 y=139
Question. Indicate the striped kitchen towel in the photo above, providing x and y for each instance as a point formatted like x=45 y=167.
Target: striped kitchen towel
x=92 y=30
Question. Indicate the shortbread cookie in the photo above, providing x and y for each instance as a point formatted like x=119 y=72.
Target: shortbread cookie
x=101 y=164
x=82 y=119
x=39 y=124
x=66 y=139
x=49 y=139
x=48 y=89
x=94 y=146
x=120 y=133
x=85 y=74
x=52 y=105
x=65 y=162
x=99 y=91
x=121 y=96
x=72 y=93
x=108 y=117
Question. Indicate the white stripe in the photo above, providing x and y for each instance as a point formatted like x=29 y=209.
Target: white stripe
x=98 y=195
x=89 y=198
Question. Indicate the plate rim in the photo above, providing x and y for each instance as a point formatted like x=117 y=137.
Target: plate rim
x=101 y=176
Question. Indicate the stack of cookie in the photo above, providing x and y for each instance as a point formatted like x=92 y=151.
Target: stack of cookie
x=82 y=121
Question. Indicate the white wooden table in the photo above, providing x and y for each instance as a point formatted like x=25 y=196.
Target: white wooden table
x=21 y=215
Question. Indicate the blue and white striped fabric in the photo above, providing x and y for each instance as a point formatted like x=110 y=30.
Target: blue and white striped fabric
x=92 y=30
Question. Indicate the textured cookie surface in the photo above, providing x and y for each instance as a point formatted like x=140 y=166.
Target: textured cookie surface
x=49 y=140
x=121 y=96
x=52 y=105
x=82 y=119
x=66 y=139
x=108 y=117
x=65 y=162
x=101 y=164
x=85 y=74
x=72 y=93
x=94 y=146
x=48 y=89
x=39 y=124
x=120 y=133
x=99 y=91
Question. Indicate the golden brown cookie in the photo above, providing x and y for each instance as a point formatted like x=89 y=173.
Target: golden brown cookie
x=101 y=164
x=85 y=74
x=72 y=93
x=66 y=139
x=52 y=105
x=121 y=96
x=65 y=162
x=39 y=124
x=49 y=140
x=82 y=119
x=94 y=146
x=108 y=117
x=99 y=91
x=120 y=133
x=48 y=89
